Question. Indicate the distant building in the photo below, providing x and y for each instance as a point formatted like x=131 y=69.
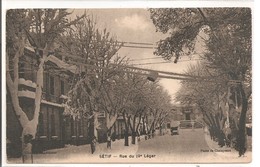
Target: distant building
x=183 y=112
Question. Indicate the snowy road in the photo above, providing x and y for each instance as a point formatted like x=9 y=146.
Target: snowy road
x=187 y=144
x=190 y=146
x=187 y=147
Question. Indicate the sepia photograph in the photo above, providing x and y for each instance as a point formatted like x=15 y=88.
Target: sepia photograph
x=168 y=85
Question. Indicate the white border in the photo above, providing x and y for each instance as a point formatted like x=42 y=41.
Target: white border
x=137 y=4
x=121 y=4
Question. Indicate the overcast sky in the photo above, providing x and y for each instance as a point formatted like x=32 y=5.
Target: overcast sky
x=135 y=25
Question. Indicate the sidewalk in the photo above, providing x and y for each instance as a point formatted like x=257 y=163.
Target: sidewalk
x=82 y=153
x=227 y=152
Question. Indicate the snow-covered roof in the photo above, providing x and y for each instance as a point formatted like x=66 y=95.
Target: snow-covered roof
x=61 y=64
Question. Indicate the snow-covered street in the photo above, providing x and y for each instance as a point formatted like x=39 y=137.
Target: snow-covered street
x=191 y=146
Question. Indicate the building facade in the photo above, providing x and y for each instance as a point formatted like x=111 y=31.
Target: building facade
x=55 y=129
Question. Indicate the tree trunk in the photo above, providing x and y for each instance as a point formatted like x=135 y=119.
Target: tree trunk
x=126 y=136
x=28 y=134
x=133 y=130
x=126 y=131
x=91 y=134
x=144 y=126
x=110 y=121
x=109 y=140
x=27 y=155
x=96 y=125
x=29 y=126
x=133 y=137
x=137 y=132
x=91 y=128
x=241 y=140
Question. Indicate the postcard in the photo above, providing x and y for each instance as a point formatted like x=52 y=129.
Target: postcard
x=160 y=85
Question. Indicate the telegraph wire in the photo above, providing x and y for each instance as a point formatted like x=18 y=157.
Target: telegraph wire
x=125 y=68
x=145 y=59
x=139 y=47
x=180 y=76
x=163 y=62
x=138 y=43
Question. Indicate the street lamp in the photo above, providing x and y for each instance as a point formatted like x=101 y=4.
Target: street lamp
x=152 y=76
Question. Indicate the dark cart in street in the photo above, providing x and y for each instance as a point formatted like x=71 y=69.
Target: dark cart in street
x=174 y=130
x=175 y=127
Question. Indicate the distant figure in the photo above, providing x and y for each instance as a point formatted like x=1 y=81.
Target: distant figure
x=138 y=136
x=93 y=144
x=153 y=133
x=113 y=136
x=108 y=141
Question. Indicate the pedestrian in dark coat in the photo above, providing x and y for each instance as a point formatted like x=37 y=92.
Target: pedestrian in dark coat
x=108 y=141
x=93 y=144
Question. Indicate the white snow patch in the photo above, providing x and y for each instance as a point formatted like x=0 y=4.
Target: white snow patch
x=64 y=97
x=30 y=94
x=28 y=83
x=26 y=93
x=30 y=49
x=53 y=104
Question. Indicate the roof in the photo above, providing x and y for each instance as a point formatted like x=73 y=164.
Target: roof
x=61 y=64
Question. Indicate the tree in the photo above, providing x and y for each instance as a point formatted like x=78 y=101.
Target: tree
x=135 y=86
x=145 y=100
x=139 y=105
x=228 y=45
x=38 y=29
x=159 y=105
x=210 y=97
x=116 y=99
x=94 y=52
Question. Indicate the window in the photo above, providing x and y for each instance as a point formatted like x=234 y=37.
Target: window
x=22 y=71
x=72 y=127
x=41 y=125
x=53 y=130
x=51 y=85
x=62 y=87
x=80 y=126
x=45 y=82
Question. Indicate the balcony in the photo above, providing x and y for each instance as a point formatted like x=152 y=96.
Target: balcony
x=26 y=93
x=50 y=98
x=46 y=99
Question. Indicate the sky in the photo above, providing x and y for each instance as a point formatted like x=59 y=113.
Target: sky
x=135 y=25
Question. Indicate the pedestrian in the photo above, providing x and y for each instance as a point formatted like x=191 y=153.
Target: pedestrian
x=113 y=136
x=93 y=144
x=138 y=136
x=108 y=141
